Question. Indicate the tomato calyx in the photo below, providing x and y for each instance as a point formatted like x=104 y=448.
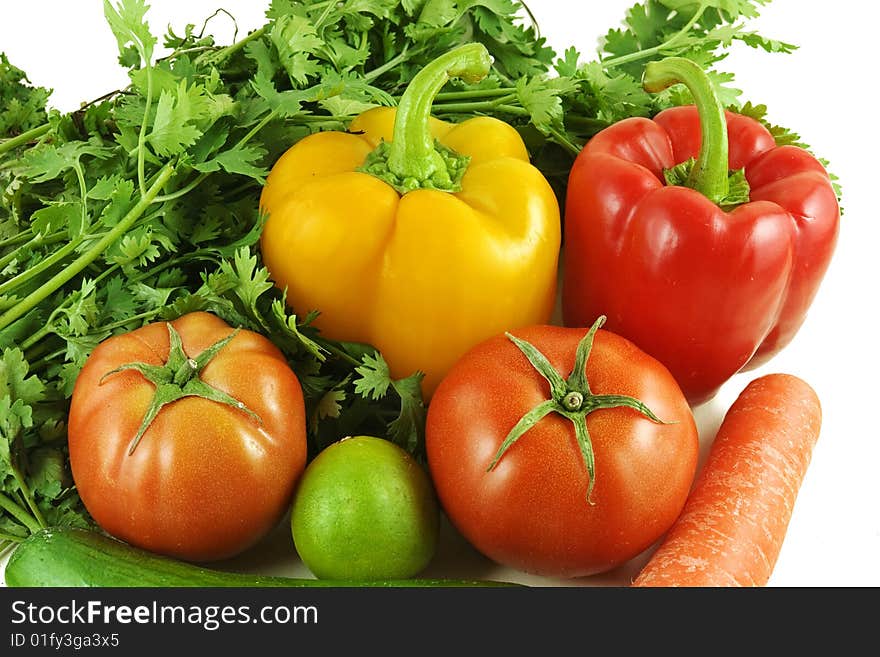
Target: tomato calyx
x=570 y=398
x=179 y=378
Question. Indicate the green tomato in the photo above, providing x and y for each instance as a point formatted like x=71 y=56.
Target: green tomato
x=365 y=510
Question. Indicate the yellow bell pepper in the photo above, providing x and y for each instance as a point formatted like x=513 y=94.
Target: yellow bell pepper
x=419 y=237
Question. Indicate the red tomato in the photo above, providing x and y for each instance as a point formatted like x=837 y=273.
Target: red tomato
x=531 y=511
x=207 y=479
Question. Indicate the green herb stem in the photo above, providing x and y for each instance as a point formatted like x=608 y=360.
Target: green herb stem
x=81 y=180
x=511 y=109
x=12 y=255
x=593 y=125
x=322 y=118
x=183 y=191
x=253 y=132
x=17 y=239
x=392 y=63
x=52 y=285
x=646 y=53
x=25 y=137
x=484 y=107
x=109 y=271
x=19 y=514
x=142 y=135
x=28 y=496
x=474 y=94
x=561 y=139
x=227 y=52
x=49 y=327
x=35 y=337
x=150 y=314
x=42 y=266
x=339 y=353
x=37 y=365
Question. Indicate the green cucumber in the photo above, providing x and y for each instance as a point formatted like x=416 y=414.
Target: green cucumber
x=82 y=558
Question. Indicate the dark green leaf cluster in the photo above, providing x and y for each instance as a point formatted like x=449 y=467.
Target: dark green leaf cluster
x=36 y=489
x=24 y=106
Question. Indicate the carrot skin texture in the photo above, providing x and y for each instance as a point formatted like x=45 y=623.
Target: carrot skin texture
x=734 y=522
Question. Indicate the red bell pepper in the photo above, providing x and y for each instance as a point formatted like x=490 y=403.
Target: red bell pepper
x=711 y=276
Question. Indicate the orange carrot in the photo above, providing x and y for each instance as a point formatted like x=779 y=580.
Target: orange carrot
x=733 y=524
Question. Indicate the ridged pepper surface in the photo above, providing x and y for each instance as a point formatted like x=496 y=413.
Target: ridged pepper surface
x=709 y=264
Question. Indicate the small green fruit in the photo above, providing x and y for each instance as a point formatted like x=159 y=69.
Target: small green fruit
x=365 y=510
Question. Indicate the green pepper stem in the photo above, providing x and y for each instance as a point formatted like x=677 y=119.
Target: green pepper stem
x=710 y=173
x=412 y=153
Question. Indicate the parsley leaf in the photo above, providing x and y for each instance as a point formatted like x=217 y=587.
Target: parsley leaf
x=374 y=382
x=295 y=40
x=238 y=160
x=127 y=21
x=24 y=106
x=177 y=113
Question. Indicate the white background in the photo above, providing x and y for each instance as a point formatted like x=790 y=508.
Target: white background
x=825 y=91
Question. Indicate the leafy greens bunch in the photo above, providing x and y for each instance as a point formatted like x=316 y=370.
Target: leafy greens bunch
x=142 y=205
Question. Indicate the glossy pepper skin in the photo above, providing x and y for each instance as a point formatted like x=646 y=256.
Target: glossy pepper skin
x=706 y=290
x=425 y=274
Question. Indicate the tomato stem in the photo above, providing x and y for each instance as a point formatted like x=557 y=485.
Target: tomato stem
x=573 y=401
x=179 y=378
x=570 y=398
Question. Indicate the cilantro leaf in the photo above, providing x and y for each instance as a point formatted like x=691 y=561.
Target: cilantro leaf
x=287 y=325
x=240 y=160
x=137 y=248
x=542 y=99
x=285 y=104
x=55 y=217
x=408 y=429
x=375 y=377
x=295 y=40
x=24 y=106
x=250 y=282
x=373 y=382
x=127 y=21
x=437 y=13
x=329 y=406
x=47 y=162
x=15 y=384
x=177 y=112
x=47 y=474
